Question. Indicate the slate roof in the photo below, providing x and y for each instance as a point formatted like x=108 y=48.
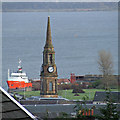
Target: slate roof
x=100 y=96
x=11 y=109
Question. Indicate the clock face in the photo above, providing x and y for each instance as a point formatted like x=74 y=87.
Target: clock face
x=50 y=69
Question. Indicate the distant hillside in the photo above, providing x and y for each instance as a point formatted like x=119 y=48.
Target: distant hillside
x=58 y=6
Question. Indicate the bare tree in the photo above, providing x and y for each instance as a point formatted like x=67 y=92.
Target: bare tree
x=105 y=63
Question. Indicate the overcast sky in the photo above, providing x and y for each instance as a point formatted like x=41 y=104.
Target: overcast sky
x=60 y=0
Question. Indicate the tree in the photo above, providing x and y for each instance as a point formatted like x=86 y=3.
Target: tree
x=105 y=63
x=81 y=109
x=109 y=112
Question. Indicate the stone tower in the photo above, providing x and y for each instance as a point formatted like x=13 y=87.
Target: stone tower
x=48 y=74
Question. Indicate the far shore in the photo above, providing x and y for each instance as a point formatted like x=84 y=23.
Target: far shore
x=56 y=10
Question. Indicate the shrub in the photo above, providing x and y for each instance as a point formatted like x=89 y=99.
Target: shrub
x=77 y=90
x=76 y=94
x=64 y=87
x=96 y=83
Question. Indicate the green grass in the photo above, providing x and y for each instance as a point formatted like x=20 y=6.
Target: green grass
x=68 y=93
x=88 y=92
x=29 y=93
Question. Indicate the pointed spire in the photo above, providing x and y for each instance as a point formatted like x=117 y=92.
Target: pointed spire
x=48 y=35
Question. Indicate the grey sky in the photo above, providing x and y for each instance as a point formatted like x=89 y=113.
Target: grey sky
x=60 y=0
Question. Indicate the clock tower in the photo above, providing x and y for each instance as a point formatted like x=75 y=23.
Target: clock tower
x=48 y=74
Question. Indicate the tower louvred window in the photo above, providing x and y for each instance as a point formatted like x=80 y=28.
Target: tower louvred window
x=50 y=86
x=50 y=58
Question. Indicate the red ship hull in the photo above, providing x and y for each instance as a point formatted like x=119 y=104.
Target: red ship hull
x=18 y=84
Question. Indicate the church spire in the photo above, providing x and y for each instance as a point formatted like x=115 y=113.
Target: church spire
x=48 y=76
x=48 y=35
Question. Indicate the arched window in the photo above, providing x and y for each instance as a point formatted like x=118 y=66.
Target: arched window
x=50 y=86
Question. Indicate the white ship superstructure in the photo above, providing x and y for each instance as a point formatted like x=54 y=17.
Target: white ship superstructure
x=18 y=79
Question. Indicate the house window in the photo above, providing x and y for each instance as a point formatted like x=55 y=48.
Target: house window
x=50 y=86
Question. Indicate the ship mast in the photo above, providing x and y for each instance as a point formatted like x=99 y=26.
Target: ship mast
x=19 y=67
x=8 y=73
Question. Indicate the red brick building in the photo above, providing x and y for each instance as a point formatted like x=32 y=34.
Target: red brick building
x=63 y=81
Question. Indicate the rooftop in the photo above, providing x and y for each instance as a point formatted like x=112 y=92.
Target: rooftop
x=12 y=109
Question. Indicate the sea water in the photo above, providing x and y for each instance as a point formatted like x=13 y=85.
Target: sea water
x=77 y=38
